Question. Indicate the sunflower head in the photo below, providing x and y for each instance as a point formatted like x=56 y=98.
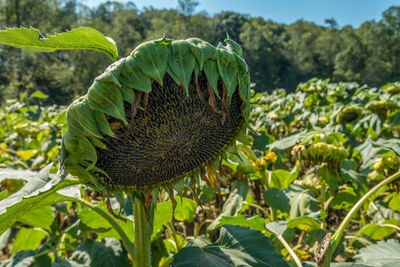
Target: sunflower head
x=167 y=111
x=382 y=106
x=349 y=114
x=393 y=88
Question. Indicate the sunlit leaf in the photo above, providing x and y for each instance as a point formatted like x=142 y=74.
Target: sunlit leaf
x=95 y=221
x=255 y=222
x=236 y=246
x=81 y=38
x=385 y=253
x=108 y=252
x=27 y=239
x=41 y=190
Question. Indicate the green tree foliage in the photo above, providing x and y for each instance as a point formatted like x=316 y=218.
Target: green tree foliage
x=278 y=55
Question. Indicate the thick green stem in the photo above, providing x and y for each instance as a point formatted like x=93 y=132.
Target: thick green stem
x=337 y=236
x=142 y=253
x=322 y=201
x=124 y=238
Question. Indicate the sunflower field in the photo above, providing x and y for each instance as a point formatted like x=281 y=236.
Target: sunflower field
x=312 y=179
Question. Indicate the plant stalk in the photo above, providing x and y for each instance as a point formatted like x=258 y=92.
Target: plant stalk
x=142 y=249
x=322 y=201
x=337 y=236
x=124 y=238
x=290 y=250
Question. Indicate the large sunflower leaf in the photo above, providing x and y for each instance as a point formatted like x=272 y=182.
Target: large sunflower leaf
x=108 y=252
x=40 y=191
x=236 y=246
x=25 y=175
x=81 y=38
x=385 y=253
x=295 y=200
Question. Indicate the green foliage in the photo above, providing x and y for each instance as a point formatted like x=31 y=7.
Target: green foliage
x=301 y=197
x=300 y=187
x=39 y=192
x=82 y=38
x=101 y=226
x=108 y=252
x=278 y=55
x=236 y=246
x=27 y=239
x=384 y=253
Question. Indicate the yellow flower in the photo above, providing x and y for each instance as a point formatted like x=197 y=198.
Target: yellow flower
x=262 y=163
x=271 y=156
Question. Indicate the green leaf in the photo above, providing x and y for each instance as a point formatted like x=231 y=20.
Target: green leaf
x=171 y=245
x=162 y=215
x=108 y=252
x=27 y=239
x=185 y=211
x=236 y=246
x=304 y=223
x=41 y=190
x=302 y=201
x=295 y=200
x=20 y=259
x=81 y=38
x=40 y=217
x=255 y=222
x=385 y=253
x=24 y=175
x=63 y=262
x=349 y=264
x=285 y=143
x=95 y=221
x=282 y=178
x=378 y=232
x=346 y=198
x=277 y=199
x=39 y=94
x=379 y=212
x=394 y=203
x=182 y=62
x=232 y=205
x=277 y=228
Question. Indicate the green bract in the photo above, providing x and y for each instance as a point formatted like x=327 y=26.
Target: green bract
x=167 y=111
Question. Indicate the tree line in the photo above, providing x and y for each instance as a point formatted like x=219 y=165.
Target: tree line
x=278 y=55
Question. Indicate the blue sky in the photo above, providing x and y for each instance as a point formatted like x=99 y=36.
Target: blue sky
x=346 y=12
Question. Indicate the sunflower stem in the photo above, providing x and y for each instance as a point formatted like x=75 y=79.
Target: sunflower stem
x=142 y=249
x=337 y=236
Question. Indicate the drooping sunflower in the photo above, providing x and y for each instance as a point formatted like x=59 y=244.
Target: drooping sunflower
x=167 y=111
